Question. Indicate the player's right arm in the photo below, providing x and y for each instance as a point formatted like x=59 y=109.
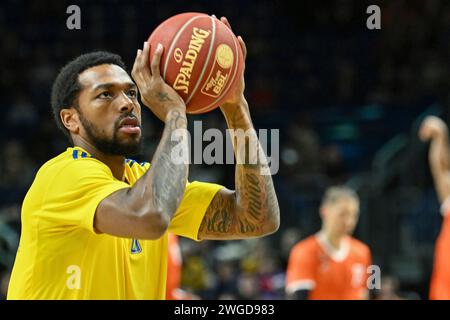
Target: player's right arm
x=145 y=210
x=435 y=130
x=301 y=271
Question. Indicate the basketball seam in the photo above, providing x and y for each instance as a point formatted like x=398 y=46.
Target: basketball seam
x=174 y=41
x=199 y=80
x=232 y=79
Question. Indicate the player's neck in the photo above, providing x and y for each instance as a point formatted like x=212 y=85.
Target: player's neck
x=335 y=240
x=114 y=162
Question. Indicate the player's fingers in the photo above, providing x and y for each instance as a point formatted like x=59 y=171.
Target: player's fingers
x=424 y=134
x=135 y=70
x=144 y=62
x=157 y=60
x=420 y=132
x=243 y=46
x=145 y=54
x=225 y=21
x=141 y=69
x=135 y=61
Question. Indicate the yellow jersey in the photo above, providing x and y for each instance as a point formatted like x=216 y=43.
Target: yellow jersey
x=60 y=256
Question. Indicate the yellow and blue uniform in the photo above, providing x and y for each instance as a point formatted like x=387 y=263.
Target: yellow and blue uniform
x=60 y=255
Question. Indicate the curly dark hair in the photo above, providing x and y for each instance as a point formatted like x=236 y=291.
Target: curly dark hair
x=66 y=87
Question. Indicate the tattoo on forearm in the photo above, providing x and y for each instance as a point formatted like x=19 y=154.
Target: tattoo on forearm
x=254 y=195
x=255 y=206
x=272 y=201
x=178 y=120
x=169 y=179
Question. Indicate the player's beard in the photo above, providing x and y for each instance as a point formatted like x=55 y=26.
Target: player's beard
x=111 y=146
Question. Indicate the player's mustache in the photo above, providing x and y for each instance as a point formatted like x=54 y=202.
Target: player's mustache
x=123 y=116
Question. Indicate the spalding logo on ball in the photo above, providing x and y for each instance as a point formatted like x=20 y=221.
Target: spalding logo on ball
x=202 y=59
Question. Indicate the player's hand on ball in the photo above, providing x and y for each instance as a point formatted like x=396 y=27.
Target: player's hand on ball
x=237 y=96
x=155 y=92
x=432 y=128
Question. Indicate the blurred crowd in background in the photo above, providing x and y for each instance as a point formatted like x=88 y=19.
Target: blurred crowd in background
x=347 y=101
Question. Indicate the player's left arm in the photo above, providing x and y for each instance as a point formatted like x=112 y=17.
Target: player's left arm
x=435 y=130
x=251 y=210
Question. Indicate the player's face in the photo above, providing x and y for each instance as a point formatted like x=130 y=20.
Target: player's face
x=342 y=216
x=109 y=110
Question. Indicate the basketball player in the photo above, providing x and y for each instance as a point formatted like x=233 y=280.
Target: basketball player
x=174 y=270
x=331 y=264
x=94 y=222
x=435 y=130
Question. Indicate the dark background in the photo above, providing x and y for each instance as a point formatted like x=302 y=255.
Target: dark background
x=347 y=101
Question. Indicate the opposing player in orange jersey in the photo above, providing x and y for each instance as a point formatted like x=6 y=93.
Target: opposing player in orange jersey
x=174 y=268
x=435 y=130
x=174 y=264
x=331 y=264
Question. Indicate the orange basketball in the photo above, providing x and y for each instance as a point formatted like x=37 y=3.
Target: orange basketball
x=202 y=59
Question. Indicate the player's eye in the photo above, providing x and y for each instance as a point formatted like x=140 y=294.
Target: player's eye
x=104 y=95
x=132 y=93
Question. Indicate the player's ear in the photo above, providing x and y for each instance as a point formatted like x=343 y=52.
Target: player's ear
x=70 y=119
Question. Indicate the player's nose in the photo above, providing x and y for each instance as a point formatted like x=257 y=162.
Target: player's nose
x=126 y=104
